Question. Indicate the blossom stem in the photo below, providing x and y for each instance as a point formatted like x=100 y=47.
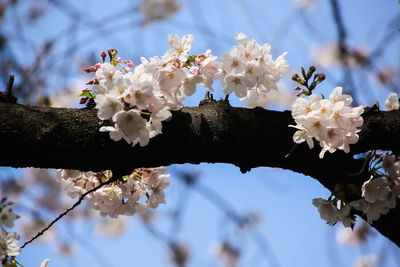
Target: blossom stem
x=112 y=179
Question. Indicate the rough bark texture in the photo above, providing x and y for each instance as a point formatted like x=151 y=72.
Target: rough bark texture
x=214 y=132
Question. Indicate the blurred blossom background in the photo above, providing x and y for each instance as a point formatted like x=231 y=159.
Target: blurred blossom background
x=214 y=215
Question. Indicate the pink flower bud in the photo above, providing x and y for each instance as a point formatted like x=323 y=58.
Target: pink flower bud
x=195 y=70
x=95 y=67
x=198 y=61
x=129 y=63
x=118 y=59
x=300 y=93
x=87 y=70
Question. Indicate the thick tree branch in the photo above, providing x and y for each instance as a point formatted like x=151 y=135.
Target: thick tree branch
x=214 y=132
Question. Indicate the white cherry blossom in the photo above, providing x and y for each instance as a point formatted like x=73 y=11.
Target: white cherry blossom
x=107 y=106
x=391 y=166
x=7 y=216
x=133 y=126
x=233 y=63
x=330 y=212
x=392 y=102
x=301 y=135
x=190 y=82
x=337 y=96
x=154 y=10
x=140 y=94
x=375 y=189
x=105 y=75
x=44 y=263
x=209 y=69
x=8 y=244
x=180 y=47
x=236 y=84
x=157 y=194
x=327 y=211
x=333 y=123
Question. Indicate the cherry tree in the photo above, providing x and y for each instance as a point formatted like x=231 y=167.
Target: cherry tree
x=134 y=121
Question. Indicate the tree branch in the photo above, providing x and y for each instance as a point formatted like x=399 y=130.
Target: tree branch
x=214 y=132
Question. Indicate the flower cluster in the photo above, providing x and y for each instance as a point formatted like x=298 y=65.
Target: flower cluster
x=334 y=211
x=380 y=192
x=138 y=102
x=122 y=197
x=378 y=196
x=333 y=123
x=250 y=66
x=8 y=241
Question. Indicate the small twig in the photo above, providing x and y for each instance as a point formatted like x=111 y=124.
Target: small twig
x=288 y=155
x=9 y=85
x=364 y=166
x=69 y=209
x=7 y=95
x=207 y=98
x=226 y=99
x=340 y=28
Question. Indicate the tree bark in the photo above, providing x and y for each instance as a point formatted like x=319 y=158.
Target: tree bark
x=213 y=132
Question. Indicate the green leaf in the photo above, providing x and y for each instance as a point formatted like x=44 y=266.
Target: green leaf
x=86 y=94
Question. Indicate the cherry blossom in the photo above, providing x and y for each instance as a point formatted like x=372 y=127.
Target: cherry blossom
x=375 y=190
x=122 y=197
x=352 y=237
x=330 y=212
x=44 y=263
x=179 y=47
x=154 y=10
x=111 y=226
x=8 y=244
x=157 y=194
x=228 y=254
x=7 y=216
x=107 y=106
x=366 y=261
x=249 y=65
x=132 y=125
x=333 y=123
x=392 y=102
x=375 y=210
x=327 y=210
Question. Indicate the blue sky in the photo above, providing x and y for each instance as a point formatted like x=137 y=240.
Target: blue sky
x=290 y=224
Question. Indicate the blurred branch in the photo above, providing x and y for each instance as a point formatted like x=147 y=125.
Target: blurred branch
x=240 y=220
x=341 y=31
